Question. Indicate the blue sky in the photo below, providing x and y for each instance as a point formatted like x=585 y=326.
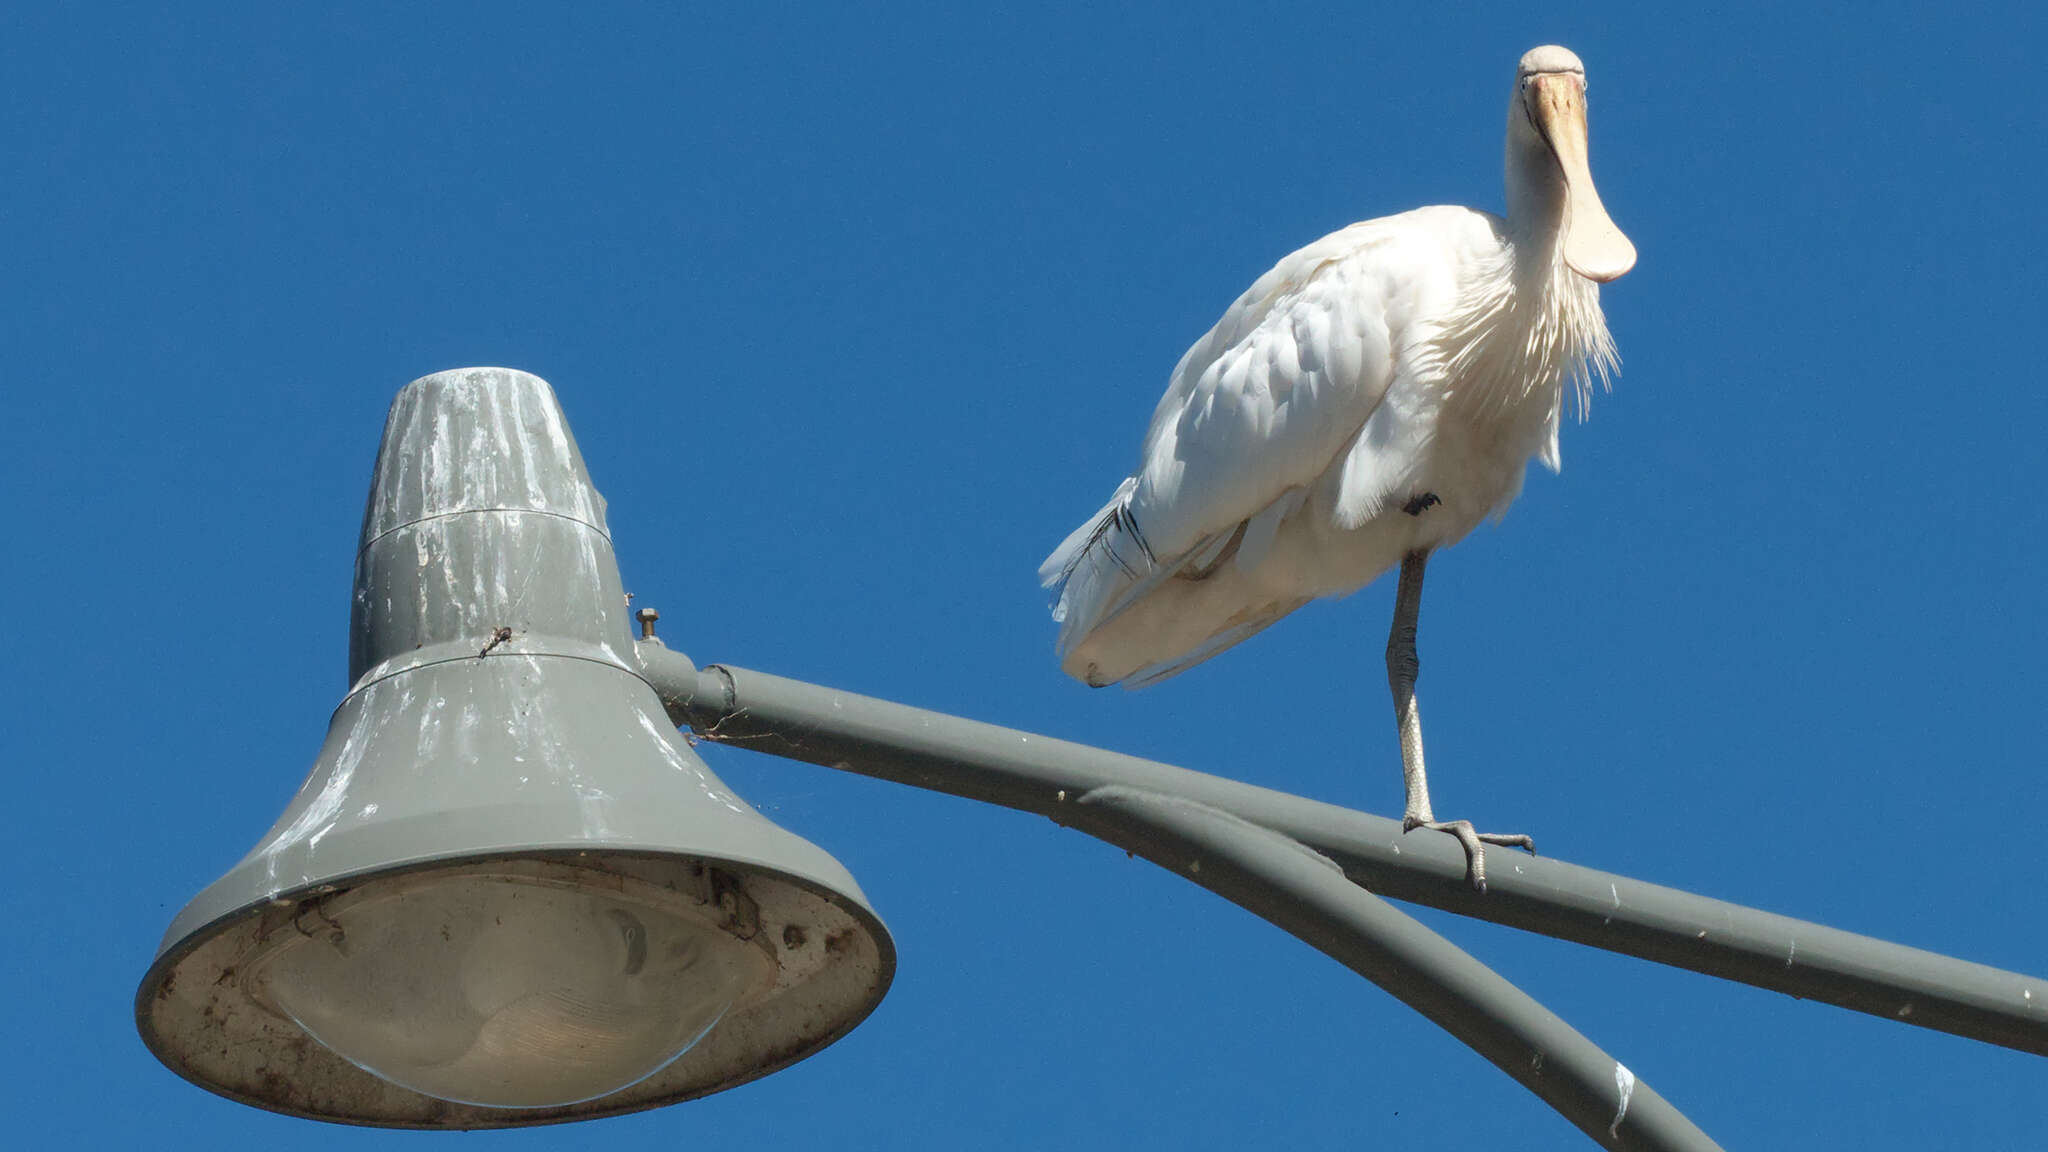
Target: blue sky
x=856 y=313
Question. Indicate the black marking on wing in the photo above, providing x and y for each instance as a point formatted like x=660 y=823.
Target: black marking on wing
x=1129 y=520
x=1119 y=518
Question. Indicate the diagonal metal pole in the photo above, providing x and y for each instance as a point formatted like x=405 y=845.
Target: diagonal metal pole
x=1040 y=774
x=1308 y=895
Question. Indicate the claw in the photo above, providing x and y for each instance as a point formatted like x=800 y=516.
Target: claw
x=1473 y=842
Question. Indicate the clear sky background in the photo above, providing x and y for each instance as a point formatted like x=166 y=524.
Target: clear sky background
x=856 y=313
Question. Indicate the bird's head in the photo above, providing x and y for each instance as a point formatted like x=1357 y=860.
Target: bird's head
x=1547 y=154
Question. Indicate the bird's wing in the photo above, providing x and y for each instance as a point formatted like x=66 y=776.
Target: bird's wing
x=1261 y=407
x=1263 y=404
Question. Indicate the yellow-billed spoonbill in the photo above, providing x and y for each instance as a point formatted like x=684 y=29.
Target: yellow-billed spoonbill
x=1372 y=398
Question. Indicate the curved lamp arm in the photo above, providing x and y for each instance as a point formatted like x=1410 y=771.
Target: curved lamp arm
x=1159 y=812
x=795 y=720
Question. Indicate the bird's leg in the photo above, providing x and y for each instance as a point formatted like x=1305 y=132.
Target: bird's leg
x=1403 y=666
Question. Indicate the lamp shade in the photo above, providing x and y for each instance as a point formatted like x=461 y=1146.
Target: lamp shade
x=508 y=892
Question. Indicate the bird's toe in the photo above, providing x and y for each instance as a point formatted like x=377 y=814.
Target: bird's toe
x=1474 y=842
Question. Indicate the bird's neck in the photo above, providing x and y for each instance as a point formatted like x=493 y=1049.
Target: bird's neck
x=1537 y=201
x=1526 y=325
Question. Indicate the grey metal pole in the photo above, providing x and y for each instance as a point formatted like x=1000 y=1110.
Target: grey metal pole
x=1040 y=774
x=1308 y=895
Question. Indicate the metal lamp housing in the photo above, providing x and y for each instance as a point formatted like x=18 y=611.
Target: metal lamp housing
x=500 y=738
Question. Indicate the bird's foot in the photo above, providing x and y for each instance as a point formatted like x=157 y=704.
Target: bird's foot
x=1417 y=505
x=1474 y=842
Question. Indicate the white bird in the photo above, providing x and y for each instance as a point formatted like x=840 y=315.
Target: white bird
x=1369 y=400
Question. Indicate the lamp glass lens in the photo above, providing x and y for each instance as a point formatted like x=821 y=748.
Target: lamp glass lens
x=506 y=990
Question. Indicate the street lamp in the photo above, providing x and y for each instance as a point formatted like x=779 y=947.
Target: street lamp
x=508 y=892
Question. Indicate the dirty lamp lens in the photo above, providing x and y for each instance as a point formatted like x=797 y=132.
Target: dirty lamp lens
x=507 y=990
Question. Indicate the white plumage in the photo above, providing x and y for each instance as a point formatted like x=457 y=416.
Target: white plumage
x=1371 y=398
x=1424 y=353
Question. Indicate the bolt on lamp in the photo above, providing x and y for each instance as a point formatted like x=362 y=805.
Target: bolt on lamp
x=508 y=893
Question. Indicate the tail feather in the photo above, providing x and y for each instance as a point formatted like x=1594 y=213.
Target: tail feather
x=1228 y=638
x=1123 y=616
x=1095 y=566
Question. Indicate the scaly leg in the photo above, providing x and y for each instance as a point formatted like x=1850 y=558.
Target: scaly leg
x=1402 y=668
